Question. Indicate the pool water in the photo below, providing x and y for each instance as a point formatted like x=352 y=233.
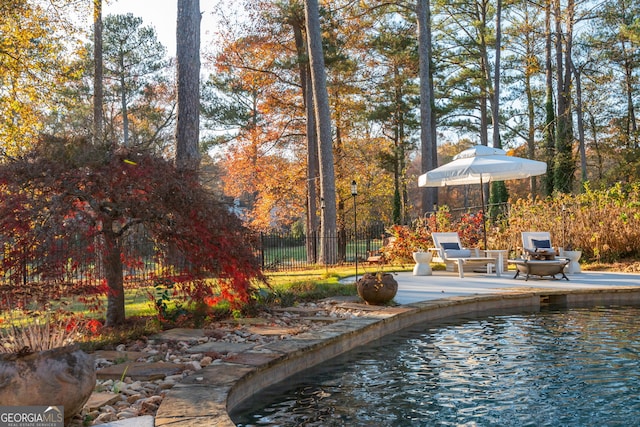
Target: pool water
x=577 y=367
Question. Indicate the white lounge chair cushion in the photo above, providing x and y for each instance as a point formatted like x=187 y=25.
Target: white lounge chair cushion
x=457 y=253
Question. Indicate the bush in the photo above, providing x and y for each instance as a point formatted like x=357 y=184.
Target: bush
x=603 y=224
x=417 y=237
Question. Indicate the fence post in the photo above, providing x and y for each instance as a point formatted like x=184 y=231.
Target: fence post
x=261 y=250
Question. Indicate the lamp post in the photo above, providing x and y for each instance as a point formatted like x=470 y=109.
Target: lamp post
x=354 y=193
x=564 y=208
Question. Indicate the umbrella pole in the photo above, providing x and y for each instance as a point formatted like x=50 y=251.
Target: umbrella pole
x=484 y=217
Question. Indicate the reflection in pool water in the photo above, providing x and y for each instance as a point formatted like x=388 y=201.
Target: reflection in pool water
x=577 y=367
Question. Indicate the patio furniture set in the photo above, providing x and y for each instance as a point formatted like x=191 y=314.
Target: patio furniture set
x=539 y=258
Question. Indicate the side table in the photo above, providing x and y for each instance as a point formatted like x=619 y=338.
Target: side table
x=500 y=255
x=423 y=266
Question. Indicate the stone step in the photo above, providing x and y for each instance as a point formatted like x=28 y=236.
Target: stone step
x=298 y=310
x=143 y=421
x=179 y=334
x=220 y=347
x=99 y=399
x=362 y=307
x=120 y=356
x=139 y=371
x=272 y=330
x=247 y=321
x=322 y=319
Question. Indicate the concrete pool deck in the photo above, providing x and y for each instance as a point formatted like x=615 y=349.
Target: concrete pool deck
x=206 y=398
x=442 y=284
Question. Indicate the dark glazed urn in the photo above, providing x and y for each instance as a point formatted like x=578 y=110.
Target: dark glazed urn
x=377 y=289
x=64 y=376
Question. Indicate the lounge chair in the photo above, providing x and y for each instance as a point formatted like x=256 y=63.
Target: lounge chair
x=455 y=256
x=537 y=240
x=539 y=256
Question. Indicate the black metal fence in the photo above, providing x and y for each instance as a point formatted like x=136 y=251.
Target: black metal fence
x=287 y=251
x=144 y=262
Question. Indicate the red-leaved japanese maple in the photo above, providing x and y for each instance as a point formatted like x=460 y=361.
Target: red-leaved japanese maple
x=69 y=204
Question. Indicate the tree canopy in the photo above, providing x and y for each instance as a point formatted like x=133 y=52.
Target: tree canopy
x=566 y=92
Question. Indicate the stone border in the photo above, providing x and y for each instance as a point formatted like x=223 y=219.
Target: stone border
x=206 y=397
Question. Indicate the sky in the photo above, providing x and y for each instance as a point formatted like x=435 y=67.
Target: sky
x=162 y=15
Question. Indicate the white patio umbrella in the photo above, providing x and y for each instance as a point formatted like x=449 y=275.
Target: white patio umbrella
x=478 y=165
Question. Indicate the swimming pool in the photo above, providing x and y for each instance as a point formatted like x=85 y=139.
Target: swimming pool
x=574 y=367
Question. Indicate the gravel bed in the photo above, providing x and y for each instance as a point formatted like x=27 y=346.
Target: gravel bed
x=137 y=398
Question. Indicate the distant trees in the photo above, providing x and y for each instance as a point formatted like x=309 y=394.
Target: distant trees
x=133 y=59
x=33 y=73
x=551 y=80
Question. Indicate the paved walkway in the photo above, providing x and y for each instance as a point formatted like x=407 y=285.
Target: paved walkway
x=446 y=284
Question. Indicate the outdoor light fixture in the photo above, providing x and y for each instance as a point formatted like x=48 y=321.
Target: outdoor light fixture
x=354 y=193
x=564 y=220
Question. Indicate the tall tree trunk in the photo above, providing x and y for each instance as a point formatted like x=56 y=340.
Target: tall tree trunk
x=428 y=142
x=98 y=93
x=486 y=89
x=579 y=114
x=499 y=194
x=323 y=126
x=550 y=118
x=531 y=127
x=312 y=141
x=629 y=79
x=125 y=112
x=188 y=75
x=564 y=164
x=312 y=168
x=495 y=105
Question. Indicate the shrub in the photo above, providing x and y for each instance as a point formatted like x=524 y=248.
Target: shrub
x=69 y=203
x=417 y=237
x=603 y=224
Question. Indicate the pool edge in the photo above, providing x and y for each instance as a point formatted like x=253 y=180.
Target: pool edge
x=223 y=386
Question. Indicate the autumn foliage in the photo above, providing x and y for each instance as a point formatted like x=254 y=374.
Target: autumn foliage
x=417 y=237
x=68 y=204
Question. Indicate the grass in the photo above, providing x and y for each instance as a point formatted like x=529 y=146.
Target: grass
x=285 y=288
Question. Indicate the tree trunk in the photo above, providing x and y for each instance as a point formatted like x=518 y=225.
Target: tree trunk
x=550 y=119
x=323 y=126
x=312 y=169
x=629 y=79
x=428 y=142
x=125 y=114
x=312 y=141
x=486 y=89
x=564 y=164
x=495 y=105
x=531 y=127
x=113 y=272
x=98 y=94
x=188 y=75
x=579 y=114
x=499 y=194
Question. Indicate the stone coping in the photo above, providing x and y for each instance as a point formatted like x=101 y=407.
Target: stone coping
x=207 y=397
